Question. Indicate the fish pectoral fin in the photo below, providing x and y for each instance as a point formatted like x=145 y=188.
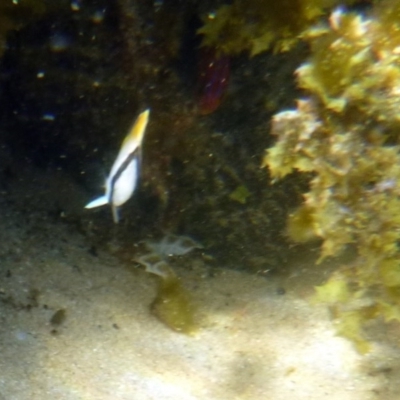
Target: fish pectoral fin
x=100 y=201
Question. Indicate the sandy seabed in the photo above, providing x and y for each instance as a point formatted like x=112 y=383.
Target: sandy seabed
x=255 y=341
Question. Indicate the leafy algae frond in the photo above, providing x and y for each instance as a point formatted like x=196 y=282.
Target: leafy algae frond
x=346 y=134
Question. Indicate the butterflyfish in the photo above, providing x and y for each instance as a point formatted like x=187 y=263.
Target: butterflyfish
x=123 y=177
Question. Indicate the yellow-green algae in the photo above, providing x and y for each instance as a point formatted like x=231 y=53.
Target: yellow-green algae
x=173 y=304
x=240 y=194
x=346 y=134
x=258 y=25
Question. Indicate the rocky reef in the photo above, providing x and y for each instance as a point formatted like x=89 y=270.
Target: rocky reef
x=74 y=75
x=200 y=172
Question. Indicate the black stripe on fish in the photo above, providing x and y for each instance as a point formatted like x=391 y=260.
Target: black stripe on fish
x=122 y=168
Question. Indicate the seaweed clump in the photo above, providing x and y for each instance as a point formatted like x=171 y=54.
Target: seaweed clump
x=258 y=25
x=346 y=135
x=173 y=304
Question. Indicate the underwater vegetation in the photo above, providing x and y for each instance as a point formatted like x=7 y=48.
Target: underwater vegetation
x=345 y=134
x=173 y=304
x=259 y=25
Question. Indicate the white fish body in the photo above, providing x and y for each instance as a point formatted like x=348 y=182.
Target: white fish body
x=122 y=180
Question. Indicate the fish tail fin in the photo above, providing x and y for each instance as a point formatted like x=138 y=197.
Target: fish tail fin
x=100 y=201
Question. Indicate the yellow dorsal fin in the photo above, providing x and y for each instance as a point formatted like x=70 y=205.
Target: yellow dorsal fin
x=137 y=131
